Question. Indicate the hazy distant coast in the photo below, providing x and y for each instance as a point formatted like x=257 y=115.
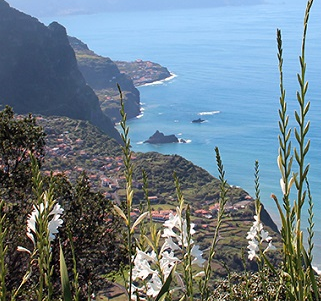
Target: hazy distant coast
x=51 y=8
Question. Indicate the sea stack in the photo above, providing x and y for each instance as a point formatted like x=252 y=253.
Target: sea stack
x=159 y=138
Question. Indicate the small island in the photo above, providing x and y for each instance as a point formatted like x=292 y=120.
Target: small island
x=199 y=120
x=159 y=138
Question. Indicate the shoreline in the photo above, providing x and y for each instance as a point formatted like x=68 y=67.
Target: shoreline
x=159 y=82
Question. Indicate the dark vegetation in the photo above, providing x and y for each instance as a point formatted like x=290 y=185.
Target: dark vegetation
x=89 y=222
x=88 y=219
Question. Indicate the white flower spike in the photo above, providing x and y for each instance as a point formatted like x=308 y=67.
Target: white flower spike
x=54 y=223
x=256 y=236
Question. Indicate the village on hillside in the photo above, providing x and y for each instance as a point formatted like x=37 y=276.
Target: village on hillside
x=105 y=173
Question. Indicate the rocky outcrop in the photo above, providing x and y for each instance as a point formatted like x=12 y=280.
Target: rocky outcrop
x=39 y=72
x=103 y=75
x=159 y=137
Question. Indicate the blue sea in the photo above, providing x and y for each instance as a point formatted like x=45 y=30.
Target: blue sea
x=226 y=67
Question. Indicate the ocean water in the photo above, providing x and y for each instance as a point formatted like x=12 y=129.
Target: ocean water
x=226 y=72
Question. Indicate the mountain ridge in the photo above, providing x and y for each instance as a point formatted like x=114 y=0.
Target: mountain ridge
x=103 y=75
x=39 y=72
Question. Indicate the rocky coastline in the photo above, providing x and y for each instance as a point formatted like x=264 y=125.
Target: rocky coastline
x=103 y=74
x=143 y=72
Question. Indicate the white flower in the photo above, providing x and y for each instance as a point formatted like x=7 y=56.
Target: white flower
x=253 y=245
x=256 y=236
x=57 y=209
x=31 y=222
x=137 y=290
x=252 y=254
x=282 y=184
x=174 y=221
x=22 y=249
x=143 y=255
x=154 y=286
x=168 y=232
x=197 y=254
x=53 y=224
x=269 y=247
x=167 y=262
x=265 y=236
x=142 y=267
x=169 y=244
x=184 y=233
x=142 y=270
x=252 y=233
x=153 y=268
x=257 y=224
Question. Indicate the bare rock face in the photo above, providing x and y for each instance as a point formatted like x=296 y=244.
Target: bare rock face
x=39 y=72
x=103 y=75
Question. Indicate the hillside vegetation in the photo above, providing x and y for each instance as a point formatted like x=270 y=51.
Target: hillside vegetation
x=84 y=148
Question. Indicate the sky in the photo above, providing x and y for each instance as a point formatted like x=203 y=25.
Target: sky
x=50 y=8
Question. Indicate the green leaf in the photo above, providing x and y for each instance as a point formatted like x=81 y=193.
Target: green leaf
x=306 y=129
x=65 y=285
x=121 y=213
x=306 y=109
x=305 y=88
x=297 y=117
x=313 y=281
x=138 y=220
x=165 y=288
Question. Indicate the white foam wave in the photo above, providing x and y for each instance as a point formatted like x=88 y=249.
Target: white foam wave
x=160 y=82
x=140 y=142
x=209 y=113
x=181 y=140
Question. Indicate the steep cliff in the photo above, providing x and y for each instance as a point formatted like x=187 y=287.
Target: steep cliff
x=103 y=75
x=39 y=72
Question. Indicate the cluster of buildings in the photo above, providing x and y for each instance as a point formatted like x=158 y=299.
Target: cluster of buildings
x=103 y=171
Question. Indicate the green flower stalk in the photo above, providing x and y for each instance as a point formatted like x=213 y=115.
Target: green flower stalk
x=153 y=269
x=298 y=274
x=222 y=202
x=42 y=226
x=259 y=240
x=127 y=207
